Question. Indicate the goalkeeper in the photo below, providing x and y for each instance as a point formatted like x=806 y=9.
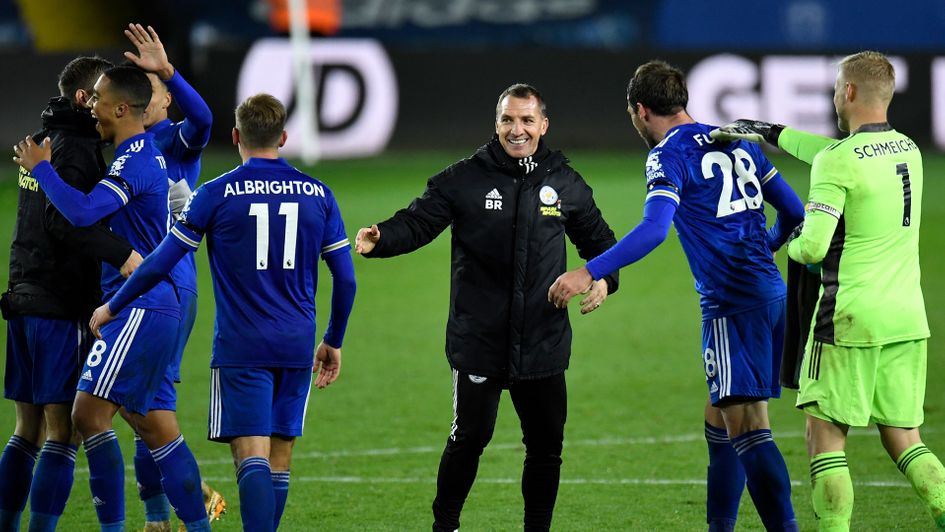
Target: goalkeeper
x=865 y=360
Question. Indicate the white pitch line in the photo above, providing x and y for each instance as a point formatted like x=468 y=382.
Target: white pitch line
x=602 y=442
x=569 y=481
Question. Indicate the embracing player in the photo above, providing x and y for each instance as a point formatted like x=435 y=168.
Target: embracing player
x=714 y=193
x=262 y=359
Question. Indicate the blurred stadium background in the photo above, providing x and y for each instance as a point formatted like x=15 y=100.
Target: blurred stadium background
x=404 y=88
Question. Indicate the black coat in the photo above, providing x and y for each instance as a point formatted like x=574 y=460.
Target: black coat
x=54 y=266
x=508 y=218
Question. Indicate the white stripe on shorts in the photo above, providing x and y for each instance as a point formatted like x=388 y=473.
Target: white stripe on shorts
x=129 y=340
x=116 y=355
x=216 y=405
x=308 y=395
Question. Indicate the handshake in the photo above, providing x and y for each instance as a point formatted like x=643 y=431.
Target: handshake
x=750 y=130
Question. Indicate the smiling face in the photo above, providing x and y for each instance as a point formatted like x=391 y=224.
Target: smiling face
x=520 y=124
x=103 y=104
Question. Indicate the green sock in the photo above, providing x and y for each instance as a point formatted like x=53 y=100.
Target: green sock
x=927 y=476
x=831 y=491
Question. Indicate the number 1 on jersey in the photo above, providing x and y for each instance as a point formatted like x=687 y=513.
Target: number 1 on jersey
x=902 y=170
x=260 y=211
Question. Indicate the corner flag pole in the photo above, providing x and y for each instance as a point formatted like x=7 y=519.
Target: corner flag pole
x=304 y=80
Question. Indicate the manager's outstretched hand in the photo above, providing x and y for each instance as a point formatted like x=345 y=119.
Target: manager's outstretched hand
x=367 y=237
x=151 y=55
x=568 y=285
x=750 y=130
x=327 y=364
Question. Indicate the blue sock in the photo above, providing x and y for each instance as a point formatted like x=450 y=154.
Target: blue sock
x=150 y=490
x=181 y=479
x=257 y=497
x=16 y=475
x=725 y=481
x=768 y=481
x=280 y=485
x=52 y=483
x=106 y=479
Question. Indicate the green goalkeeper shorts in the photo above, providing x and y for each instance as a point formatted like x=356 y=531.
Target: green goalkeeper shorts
x=858 y=385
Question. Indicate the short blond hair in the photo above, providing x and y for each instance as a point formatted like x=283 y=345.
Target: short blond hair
x=260 y=120
x=872 y=72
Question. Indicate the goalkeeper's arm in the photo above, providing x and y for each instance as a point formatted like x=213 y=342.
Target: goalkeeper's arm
x=798 y=143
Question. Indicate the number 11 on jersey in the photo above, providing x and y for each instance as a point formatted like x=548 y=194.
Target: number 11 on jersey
x=260 y=211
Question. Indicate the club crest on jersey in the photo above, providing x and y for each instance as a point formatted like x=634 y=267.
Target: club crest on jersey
x=551 y=204
x=494 y=200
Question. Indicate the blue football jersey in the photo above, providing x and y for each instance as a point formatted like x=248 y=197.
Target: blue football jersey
x=138 y=179
x=720 y=218
x=183 y=162
x=266 y=226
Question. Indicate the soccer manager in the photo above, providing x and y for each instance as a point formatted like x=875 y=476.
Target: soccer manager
x=510 y=205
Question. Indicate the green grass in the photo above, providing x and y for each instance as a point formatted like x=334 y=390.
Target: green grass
x=634 y=457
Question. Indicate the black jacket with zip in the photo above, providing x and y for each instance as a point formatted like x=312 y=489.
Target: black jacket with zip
x=54 y=266
x=509 y=218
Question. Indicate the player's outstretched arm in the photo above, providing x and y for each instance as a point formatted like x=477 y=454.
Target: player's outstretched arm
x=658 y=214
x=803 y=145
x=79 y=208
x=155 y=267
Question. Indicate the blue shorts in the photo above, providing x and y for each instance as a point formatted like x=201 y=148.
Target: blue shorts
x=126 y=366
x=741 y=353
x=257 y=402
x=43 y=359
x=166 y=396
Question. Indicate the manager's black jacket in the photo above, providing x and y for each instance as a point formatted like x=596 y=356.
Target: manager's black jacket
x=509 y=217
x=54 y=266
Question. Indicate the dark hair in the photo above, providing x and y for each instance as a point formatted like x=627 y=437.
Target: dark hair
x=81 y=73
x=659 y=87
x=522 y=90
x=260 y=120
x=131 y=84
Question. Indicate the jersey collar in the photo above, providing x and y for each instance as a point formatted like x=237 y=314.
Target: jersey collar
x=160 y=126
x=256 y=162
x=123 y=147
x=878 y=127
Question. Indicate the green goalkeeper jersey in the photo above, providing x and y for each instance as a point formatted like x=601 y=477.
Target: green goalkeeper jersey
x=862 y=226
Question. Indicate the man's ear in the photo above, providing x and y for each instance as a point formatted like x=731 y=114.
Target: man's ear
x=80 y=98
x=236 y=136
x=851 y=92
x=284 y=137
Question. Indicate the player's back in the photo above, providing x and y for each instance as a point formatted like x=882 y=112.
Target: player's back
x=138 y=178
x=720 y=218
x=269 y=226
x=871 y=293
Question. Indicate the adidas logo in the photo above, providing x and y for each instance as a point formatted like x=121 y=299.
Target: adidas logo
x=494 y=200
x=97 y=502
x=87 y=376
x=714 y=388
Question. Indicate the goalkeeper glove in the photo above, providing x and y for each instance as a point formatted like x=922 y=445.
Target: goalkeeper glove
x=750 y=130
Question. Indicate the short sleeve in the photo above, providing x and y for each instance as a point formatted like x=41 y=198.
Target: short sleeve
x=194 y=219
x=665 y=175
x=334 y=240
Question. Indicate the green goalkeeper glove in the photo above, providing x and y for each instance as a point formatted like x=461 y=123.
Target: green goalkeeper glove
x=750 y=130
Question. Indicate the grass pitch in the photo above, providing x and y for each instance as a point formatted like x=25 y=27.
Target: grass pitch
x=634 y=454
